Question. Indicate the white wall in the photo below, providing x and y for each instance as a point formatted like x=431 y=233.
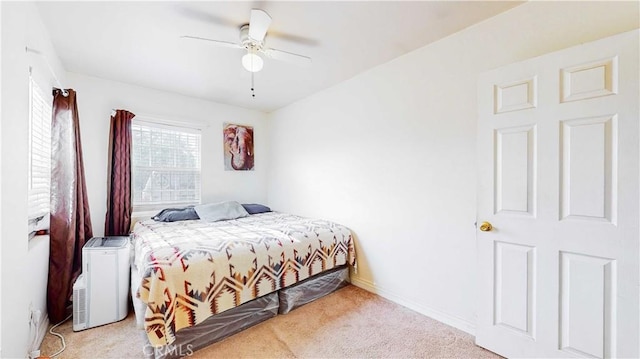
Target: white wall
x=37 y=276
x=0 y=183
x=21 y=27
x=391 y=152
x=96 y=99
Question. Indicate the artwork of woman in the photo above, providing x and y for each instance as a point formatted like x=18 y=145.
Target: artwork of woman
x=238 y=147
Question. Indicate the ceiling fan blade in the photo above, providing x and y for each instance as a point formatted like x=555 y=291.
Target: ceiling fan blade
x=215 y=42
x=259 y=24
x=194 y=13
x=293 y=38
x=290 y=57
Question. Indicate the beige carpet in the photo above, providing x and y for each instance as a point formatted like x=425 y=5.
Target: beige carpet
x=350 y=323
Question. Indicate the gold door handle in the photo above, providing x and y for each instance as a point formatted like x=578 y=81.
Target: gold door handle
x=486 y=226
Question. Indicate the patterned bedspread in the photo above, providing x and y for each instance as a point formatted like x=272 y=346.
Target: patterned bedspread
x=194 y=269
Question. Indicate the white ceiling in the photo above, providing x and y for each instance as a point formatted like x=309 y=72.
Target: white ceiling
x=139 y=42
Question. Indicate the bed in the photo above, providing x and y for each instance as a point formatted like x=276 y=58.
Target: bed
x=195 y=282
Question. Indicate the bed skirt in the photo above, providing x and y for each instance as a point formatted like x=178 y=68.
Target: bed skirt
x=215 y=328
x=229 y=322
x=311 y=289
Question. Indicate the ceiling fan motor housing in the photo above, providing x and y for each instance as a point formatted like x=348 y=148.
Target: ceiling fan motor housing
x=247 y=42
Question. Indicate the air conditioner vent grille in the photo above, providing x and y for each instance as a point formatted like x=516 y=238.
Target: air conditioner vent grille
x=79 y=306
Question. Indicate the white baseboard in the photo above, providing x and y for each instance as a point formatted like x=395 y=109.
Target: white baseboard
x=436 y=314
x=44 y=326
x=36 y=339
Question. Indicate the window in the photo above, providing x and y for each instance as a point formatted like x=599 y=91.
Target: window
x=165 y=165
x=39 y=151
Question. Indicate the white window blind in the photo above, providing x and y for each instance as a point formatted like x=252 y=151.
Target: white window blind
x=165 y=165
x=39 y=151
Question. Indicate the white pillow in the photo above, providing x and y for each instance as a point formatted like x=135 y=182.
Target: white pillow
x=213 y=212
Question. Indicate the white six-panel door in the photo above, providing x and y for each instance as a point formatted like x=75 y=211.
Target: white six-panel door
x=558 y=145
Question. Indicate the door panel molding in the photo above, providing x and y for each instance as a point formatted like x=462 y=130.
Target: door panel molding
x=515 y=287
x=587 y=295
x=515 y=170
x=589 y=188
x=591 y=80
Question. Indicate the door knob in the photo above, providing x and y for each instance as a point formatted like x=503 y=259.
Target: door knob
x=486 y=226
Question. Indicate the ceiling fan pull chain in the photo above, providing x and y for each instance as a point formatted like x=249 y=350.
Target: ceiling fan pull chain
x=253 y=94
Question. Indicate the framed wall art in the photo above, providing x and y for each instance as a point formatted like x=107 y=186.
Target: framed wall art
x=238 y=147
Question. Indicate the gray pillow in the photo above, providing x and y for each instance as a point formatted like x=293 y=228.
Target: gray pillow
x=212 y=212
x=175 y=214
x=253 y=208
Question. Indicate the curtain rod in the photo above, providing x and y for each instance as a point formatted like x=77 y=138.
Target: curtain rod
x=164 y=120
x=65 y=93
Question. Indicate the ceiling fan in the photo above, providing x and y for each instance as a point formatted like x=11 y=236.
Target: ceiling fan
x=252 y=40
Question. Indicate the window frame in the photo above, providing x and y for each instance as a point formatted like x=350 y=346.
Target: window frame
x=181 y=127
x=38 y=193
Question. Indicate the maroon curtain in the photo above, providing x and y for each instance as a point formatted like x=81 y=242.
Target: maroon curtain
x=70 y=219
x=118 y=218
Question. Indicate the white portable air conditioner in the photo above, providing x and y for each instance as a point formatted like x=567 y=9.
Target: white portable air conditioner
x=100 y=293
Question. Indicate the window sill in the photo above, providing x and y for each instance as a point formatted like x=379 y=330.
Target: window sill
x=141 y=216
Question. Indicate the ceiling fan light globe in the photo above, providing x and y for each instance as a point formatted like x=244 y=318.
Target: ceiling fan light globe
x=252 y=62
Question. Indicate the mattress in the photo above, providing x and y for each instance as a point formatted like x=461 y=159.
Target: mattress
x=191 y=270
